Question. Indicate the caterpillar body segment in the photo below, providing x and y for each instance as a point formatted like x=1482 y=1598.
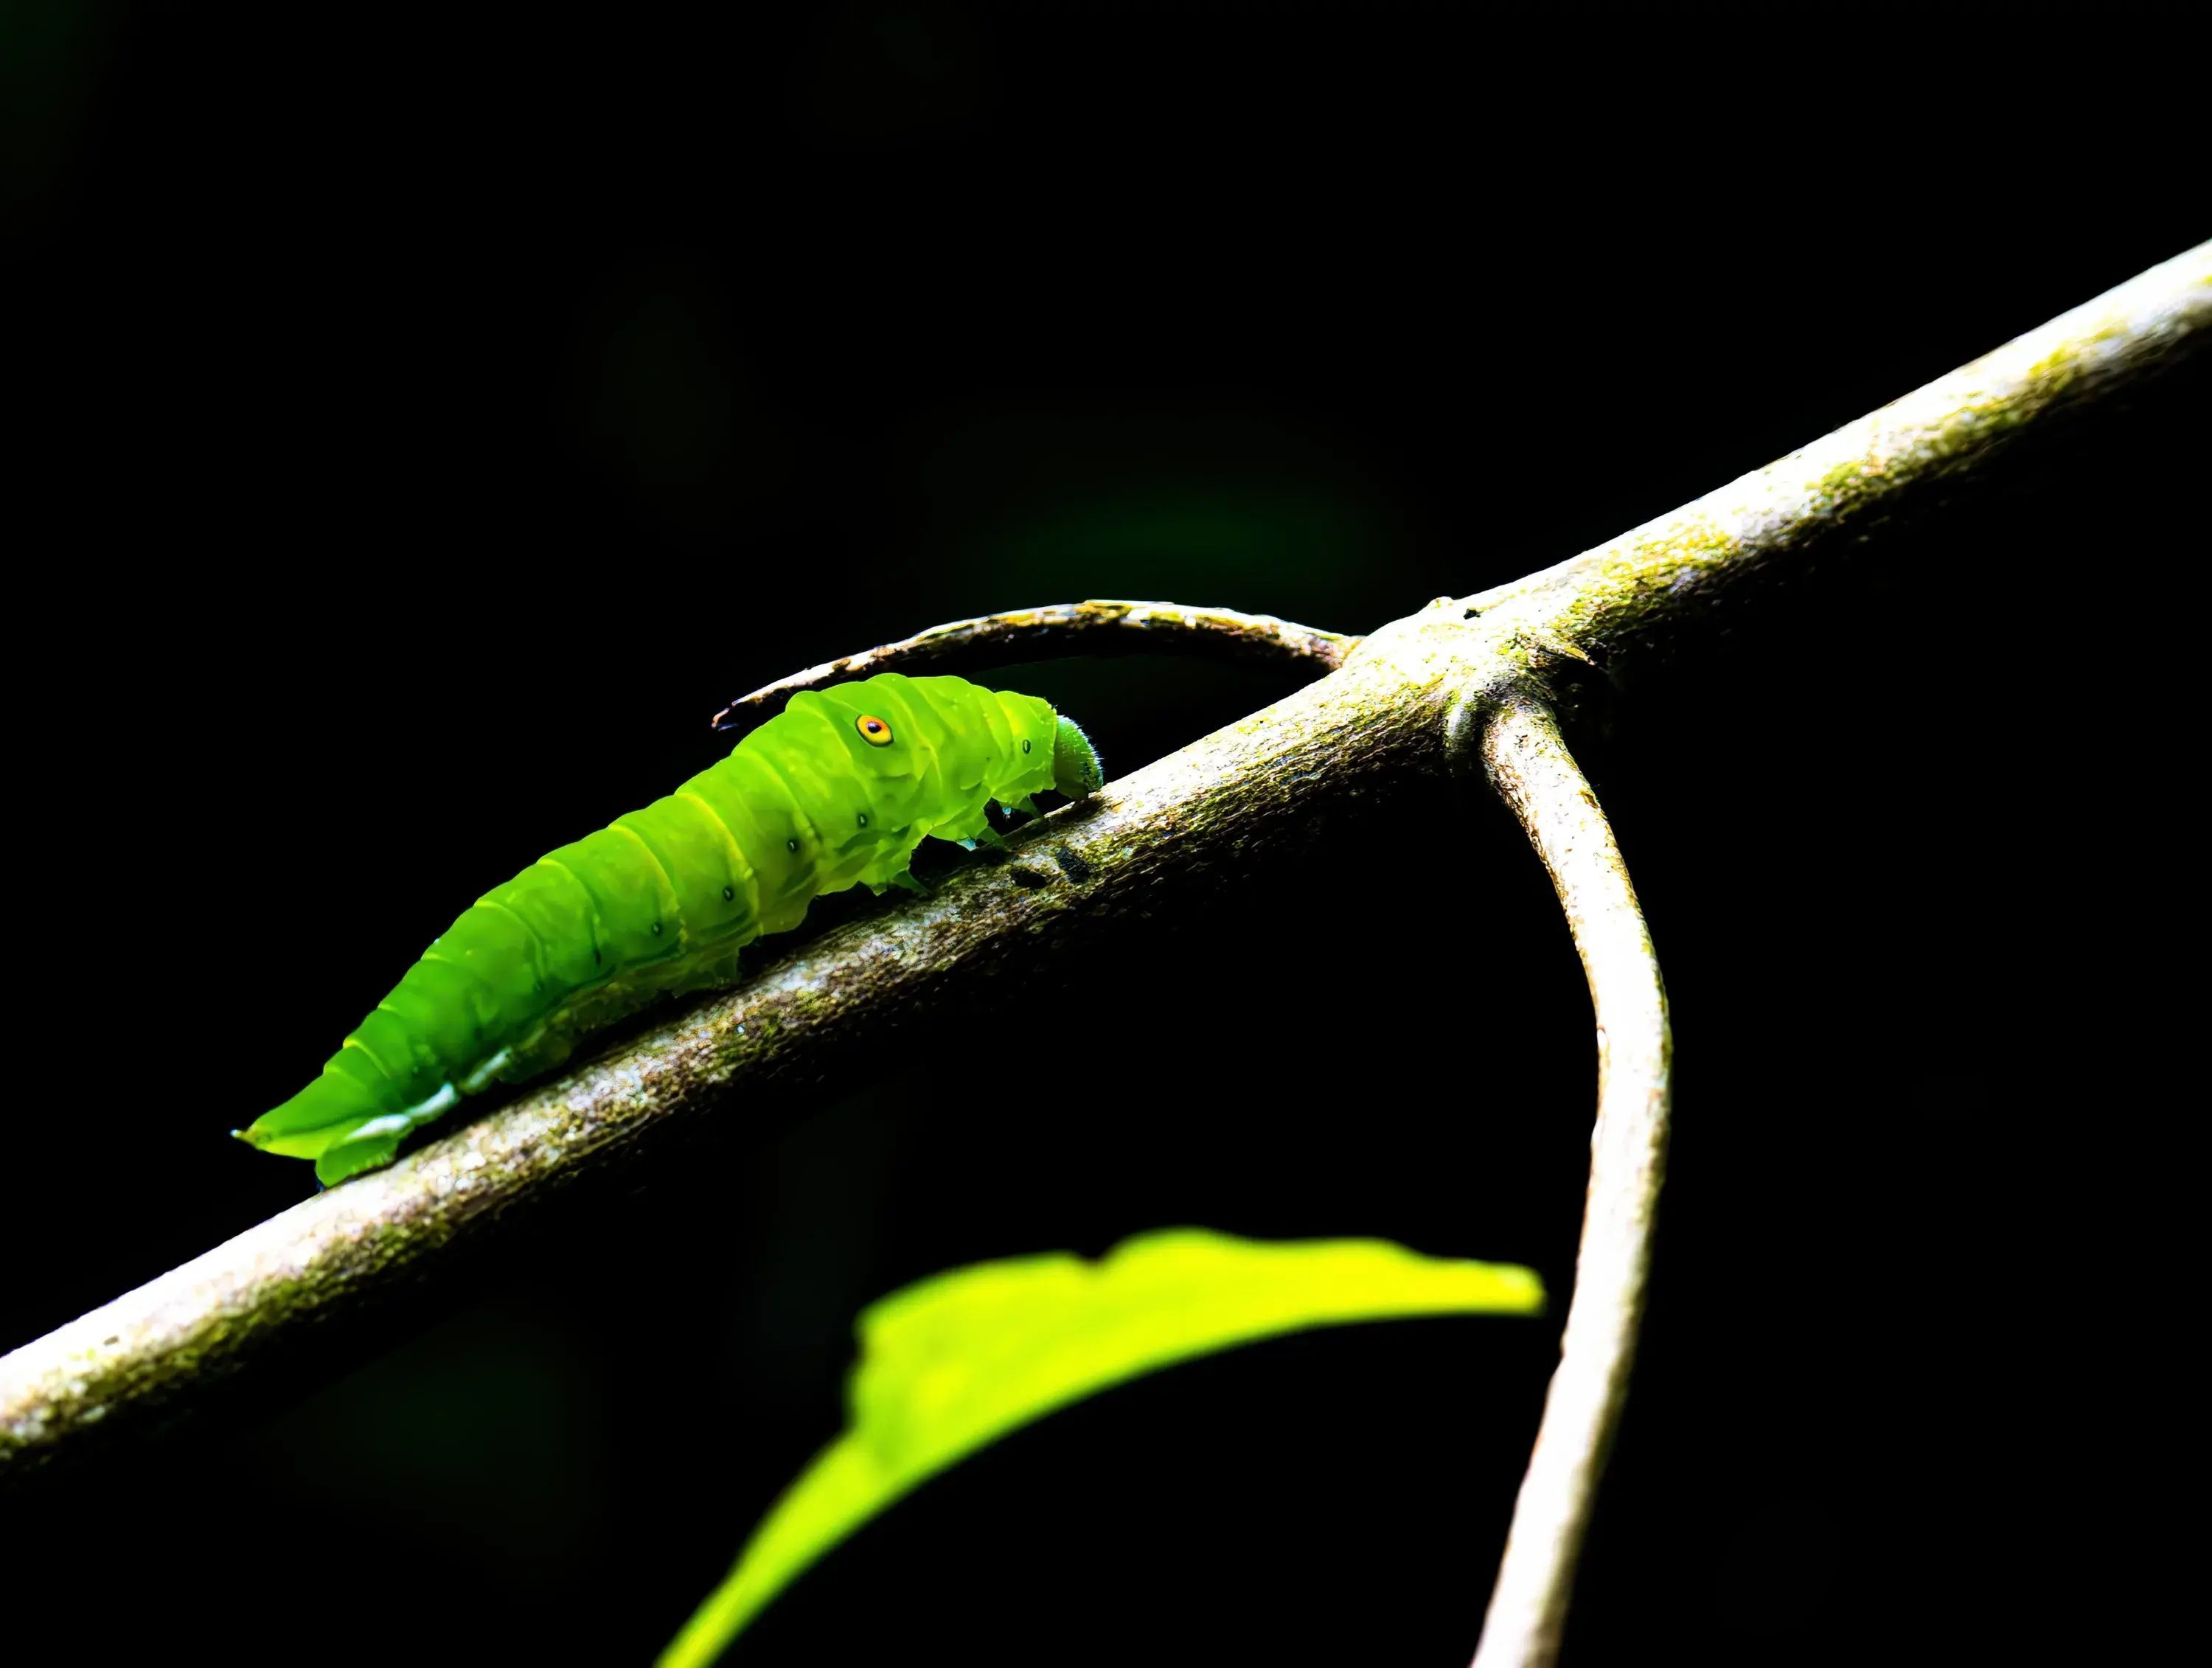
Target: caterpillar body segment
x=837 y=790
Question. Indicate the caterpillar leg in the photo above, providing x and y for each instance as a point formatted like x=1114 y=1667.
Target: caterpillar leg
x=350 y=1157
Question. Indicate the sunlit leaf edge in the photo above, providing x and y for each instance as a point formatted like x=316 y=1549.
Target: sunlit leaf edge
x=953 y=1362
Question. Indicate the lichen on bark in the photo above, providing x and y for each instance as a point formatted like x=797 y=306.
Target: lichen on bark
x=1387 y=709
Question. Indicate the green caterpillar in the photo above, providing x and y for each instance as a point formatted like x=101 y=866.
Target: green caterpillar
x=836 y=790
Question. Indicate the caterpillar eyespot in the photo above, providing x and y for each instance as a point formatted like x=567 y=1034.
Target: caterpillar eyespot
x=577 y=942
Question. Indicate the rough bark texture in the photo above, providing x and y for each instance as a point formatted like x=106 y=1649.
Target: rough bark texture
x=1092 y=868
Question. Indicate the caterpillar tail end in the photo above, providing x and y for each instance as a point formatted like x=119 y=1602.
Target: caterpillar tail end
x=1076 y=771
x=335 y=1122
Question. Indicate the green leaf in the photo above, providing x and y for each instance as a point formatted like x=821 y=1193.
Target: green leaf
x=954 y=1362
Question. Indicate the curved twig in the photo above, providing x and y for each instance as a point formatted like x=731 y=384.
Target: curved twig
x=1530 y=767
x=1096 y=628
x=1165 y=830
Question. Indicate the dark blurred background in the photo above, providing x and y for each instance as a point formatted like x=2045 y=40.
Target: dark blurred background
x=423 y=424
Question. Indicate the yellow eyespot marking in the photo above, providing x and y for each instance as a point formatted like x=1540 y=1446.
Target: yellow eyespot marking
x=873 y=730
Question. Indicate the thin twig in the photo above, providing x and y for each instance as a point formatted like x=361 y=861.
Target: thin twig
x=1089 y=628
x=1166 y=831
x=1530 y=767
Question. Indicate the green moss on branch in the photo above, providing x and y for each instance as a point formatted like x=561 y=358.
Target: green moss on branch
x=167 y=1345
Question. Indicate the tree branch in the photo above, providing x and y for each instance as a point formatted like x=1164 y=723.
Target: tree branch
x=1066 y=628
x=1169 y=830
x=1529 y=765
x=1833 y=492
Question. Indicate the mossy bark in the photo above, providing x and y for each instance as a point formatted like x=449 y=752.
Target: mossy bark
x=1392 y=705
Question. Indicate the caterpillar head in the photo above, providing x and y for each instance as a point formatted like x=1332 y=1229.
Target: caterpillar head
x=1075 y=768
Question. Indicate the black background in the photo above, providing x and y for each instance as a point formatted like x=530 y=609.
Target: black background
x=425 y=425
